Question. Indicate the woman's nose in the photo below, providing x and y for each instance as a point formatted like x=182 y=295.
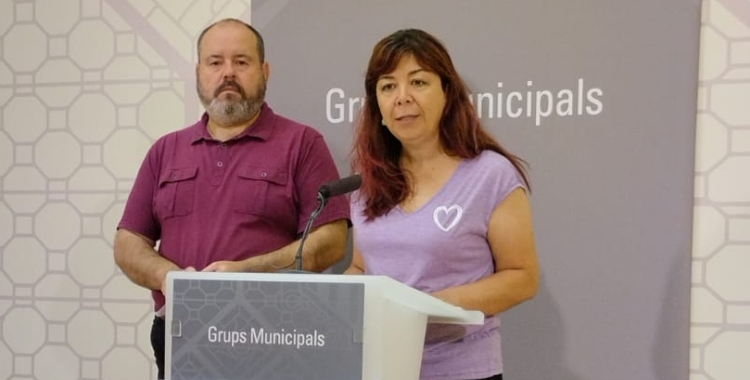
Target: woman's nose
x=403 y=98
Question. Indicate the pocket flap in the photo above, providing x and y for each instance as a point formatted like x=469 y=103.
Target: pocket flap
x=273 y=175
x=178 y=174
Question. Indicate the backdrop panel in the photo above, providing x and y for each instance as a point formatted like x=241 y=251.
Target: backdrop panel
x=599 y=97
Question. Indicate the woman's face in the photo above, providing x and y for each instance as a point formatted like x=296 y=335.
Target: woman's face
x=411 y=102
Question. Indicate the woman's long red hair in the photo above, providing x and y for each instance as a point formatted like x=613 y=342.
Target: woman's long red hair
x=376 y=153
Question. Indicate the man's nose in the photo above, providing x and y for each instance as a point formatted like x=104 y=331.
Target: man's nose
x=229 y=71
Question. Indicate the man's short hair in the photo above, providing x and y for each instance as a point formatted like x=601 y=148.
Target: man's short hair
x=258 y=37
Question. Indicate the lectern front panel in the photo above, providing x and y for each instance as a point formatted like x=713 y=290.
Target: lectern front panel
x=265 y=330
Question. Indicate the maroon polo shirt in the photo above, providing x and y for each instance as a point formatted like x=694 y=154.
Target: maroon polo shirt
x=206 y=200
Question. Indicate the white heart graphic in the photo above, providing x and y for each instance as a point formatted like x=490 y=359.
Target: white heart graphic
x=444 y=216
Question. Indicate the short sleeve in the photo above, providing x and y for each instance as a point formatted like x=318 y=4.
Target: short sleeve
x=315 y=168
x=138 y=216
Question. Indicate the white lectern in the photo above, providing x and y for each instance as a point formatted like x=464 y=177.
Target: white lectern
x=298 y=326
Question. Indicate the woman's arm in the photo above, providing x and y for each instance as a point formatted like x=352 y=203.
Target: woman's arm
x=358 y=264
x=516 y=278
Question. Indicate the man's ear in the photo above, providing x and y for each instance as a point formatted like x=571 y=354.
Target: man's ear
x=266 y=70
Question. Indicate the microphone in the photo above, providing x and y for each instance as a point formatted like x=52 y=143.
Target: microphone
x=325 y=191
x=342 y=186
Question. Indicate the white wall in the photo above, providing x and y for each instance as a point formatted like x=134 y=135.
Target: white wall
x=720 y=318
x=85 y=88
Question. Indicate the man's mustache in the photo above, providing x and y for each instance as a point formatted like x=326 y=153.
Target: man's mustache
x=229 y=85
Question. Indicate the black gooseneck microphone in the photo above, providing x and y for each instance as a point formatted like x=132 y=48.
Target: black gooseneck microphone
x=340 y=187
x=325 y=192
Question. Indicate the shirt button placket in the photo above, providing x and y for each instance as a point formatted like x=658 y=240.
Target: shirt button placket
x=219 y=170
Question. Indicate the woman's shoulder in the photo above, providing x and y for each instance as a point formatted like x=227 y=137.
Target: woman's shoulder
x=490 y=160
x=492 y=170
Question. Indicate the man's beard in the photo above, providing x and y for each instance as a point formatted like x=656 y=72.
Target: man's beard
x=232 y=111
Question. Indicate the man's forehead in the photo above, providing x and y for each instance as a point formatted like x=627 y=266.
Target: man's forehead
x=221 y=36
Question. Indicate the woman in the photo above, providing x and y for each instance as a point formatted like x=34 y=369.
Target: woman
x=442 y=207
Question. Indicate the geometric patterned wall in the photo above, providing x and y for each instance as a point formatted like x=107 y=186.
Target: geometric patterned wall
x=85 y=87
x=720 y=317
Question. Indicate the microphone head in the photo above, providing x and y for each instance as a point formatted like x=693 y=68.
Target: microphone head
x=342 y=186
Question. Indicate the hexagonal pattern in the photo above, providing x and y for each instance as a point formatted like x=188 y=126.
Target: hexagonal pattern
x=24 y=330
x=56 y=363
x=111 y=219
x=92 y=117
x=92 y=44
x=58 y=96
x=57 y=285
x=708 y=226
x=24 y=260
x=23 y=179
x=6 y=224
x=80 y=336
x=21 y=187
x=57 y=297
x=727 y=273
x=122 y=145
x=89 y=263
x=726 y=358
x=58 y=71
x=76 y=82
x=24 y=47
x=127 y=68
x=6 y=154
x=714 y=64
x=6 y=16
x=64 y=78
x=92 y=178
x=126 y=364
x=712 y=139
x=722 y=201
x=729 y=101
x=58 y=225
x=5 y=357
x=57 y=166
x=54 y=19
x=24 y=119
x=711 y=310
x=6 y=75
x=729 y=22
x=155 y=110
x=725 y=176
x=6 y=287
x=86 y=180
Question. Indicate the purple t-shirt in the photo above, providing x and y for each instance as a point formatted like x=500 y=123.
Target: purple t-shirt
x=444 y=244
x=206 y=200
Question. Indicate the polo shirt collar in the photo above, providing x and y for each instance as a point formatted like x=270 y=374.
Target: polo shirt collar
x=260 y=129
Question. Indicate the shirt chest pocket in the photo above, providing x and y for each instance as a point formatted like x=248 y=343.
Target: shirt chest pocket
x=261 y=190
x=176 y=193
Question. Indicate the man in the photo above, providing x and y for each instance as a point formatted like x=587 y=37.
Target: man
x=233 y=192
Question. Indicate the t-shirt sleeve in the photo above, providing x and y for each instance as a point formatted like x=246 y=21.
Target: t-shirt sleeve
x=138 y=216
x=506 y=179
x=317 y=167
